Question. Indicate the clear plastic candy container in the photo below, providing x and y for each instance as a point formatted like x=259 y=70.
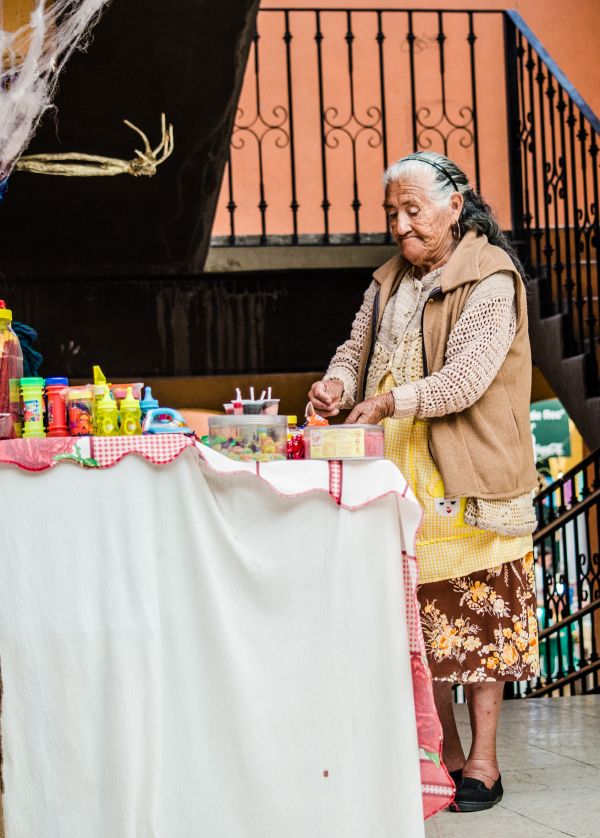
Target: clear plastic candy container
x=249 y=438
x=344 y=442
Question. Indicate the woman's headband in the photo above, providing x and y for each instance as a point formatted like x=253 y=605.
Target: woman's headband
x=435 y=165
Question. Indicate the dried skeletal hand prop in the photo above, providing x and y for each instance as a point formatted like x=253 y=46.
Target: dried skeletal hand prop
x=73 y=164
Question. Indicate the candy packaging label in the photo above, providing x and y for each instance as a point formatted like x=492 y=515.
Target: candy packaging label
x=338 y=442
x=32 y=410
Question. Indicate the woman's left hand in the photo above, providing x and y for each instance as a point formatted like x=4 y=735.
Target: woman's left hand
x=372 y=411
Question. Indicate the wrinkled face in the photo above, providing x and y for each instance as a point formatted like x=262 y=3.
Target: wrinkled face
x=421 y=228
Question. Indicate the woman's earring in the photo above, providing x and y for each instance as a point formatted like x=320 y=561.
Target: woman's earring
x=456 y=231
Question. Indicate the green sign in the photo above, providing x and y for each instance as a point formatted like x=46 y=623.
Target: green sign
x=550 y=429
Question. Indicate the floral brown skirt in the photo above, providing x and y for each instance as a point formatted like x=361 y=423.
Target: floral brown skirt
x=482 y=627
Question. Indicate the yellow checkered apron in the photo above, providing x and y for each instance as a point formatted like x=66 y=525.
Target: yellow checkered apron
x=446 y=546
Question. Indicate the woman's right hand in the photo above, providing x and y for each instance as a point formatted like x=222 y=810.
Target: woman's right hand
x=325 y=396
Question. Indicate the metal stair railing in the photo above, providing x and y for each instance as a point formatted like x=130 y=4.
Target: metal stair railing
x=553 y=157
x=567 y=565
x=580 y=676
x=331 y=97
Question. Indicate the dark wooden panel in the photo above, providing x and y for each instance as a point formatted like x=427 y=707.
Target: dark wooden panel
x=203 y=325
x=183 y=57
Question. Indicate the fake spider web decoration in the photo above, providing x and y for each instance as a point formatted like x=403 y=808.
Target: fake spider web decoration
x=32 y=59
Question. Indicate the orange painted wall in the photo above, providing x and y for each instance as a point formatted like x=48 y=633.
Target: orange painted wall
x=569 y=30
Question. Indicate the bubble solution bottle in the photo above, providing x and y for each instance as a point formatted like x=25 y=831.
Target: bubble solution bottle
x=56 y=412
x=107 y=415
x=32 y=389
x=11 y=371
x=148 y=402
x=131 y=415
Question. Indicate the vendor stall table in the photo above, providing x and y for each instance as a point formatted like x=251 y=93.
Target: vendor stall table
x=210 y=648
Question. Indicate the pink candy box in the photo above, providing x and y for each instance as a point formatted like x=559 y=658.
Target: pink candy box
x=119 y=391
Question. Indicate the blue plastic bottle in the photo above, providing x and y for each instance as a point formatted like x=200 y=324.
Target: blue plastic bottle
x=148 y=402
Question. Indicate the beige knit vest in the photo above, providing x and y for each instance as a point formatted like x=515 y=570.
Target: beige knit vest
x=485 y=451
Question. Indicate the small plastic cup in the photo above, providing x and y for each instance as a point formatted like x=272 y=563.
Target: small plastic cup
x=252 y=407
x=270 y=407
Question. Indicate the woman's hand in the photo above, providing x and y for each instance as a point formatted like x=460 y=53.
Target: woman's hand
x=325 y=396
x=372 y=411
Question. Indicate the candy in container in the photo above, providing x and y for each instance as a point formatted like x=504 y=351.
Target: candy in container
x=344 y=442
x=295 y=446
x=249 y=438
x=80 y=401
x=295 y=440
x=119 y=391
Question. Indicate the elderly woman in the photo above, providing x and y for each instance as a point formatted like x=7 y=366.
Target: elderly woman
x=439 y=352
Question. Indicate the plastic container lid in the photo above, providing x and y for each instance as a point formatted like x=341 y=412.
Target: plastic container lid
x=129 y=402
x=99 y=377
x=292 y=420
x=81 y=393
x=247 y=419
x=56 y=382
x=107 y=403
x=5 y=313
x=32 y=382
x=344 y=427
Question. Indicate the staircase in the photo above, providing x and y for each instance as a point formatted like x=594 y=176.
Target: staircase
x=567 y=373
x=567 y=563
x=553 y=141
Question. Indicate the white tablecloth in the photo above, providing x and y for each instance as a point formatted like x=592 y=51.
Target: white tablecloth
x=186 y=653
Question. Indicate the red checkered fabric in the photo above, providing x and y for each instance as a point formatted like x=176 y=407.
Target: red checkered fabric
x=336 y=471
x=415 y=634
x=157 y=448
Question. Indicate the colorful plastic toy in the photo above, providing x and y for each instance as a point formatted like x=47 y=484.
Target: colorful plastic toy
x=165 y=420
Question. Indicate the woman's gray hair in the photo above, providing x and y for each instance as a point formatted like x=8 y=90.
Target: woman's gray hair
x=446 y=178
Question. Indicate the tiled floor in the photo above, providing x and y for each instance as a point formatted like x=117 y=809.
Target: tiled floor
x=549 y=752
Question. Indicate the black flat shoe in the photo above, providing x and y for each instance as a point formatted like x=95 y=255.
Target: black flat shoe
x=473 y=795
x=456 y=776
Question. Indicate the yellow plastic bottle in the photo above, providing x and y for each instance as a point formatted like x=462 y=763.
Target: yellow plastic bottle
x=99 y=384
x=131 y=414
x=107 y=415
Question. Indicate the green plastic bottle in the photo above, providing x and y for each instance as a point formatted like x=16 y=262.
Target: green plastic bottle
x=107 y=415
x=131 y=415
x=32 y=390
